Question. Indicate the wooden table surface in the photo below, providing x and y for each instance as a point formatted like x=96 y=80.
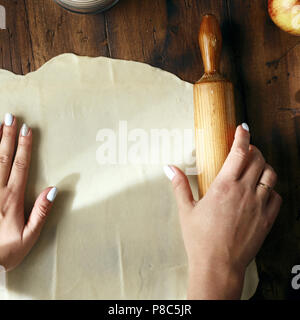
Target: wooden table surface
x=262 y=61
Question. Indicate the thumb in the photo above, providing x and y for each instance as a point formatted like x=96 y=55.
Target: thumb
x=39 y=214
x=181 y=187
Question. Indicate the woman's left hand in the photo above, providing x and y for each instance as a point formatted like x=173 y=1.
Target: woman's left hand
x=17 y=236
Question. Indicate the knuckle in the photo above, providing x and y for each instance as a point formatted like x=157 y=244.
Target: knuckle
x=8 y=133
x=240 y=153
x=42 y=210
x=267 y=224
x=21 y=164
x=273 y=175
x=23 y=142
x=253 y=148
x=221 y=188
x=260 y=158
x=4 y=160
x=246 y=188
x=10 y=199
x=257 y=153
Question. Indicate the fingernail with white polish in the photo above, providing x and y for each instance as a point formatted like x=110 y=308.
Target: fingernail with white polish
x=8 y=120
x=245 y=126
x=52 y=194
x=24 y=130
x=170 y=173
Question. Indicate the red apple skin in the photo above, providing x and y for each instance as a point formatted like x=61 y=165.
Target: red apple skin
x=286 y=15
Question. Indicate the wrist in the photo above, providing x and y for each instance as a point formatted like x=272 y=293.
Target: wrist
x=214 y=281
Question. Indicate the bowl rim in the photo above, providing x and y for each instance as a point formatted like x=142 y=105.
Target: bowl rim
x=92 y=11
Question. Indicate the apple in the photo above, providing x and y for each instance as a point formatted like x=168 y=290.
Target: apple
x=286 y=15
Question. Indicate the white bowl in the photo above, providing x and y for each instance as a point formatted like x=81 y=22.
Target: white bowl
x=86 y=6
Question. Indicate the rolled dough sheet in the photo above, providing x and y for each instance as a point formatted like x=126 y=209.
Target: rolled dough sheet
x=113 y=232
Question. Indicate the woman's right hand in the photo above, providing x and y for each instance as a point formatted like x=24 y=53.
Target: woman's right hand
x=225 y=229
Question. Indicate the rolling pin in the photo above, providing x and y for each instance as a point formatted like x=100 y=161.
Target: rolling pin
x=214 y=110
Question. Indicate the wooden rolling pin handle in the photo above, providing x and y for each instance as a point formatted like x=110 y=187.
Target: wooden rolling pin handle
x=210 y=41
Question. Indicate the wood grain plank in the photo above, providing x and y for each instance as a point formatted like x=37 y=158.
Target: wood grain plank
x=54 y=31
x=15 y=44
x=268 y=69
x=161 y=33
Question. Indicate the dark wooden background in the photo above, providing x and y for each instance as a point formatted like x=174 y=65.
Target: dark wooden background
x=262 y=61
